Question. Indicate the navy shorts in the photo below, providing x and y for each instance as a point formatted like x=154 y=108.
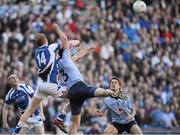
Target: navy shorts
x=124 y=127
x=78 y=93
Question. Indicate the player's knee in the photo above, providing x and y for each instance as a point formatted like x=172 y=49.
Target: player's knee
x=135 y=129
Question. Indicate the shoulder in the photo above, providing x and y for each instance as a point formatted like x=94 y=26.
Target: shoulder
x=107 y=100
x=54 y=46
x=66 y=54
x=171 y=114
x=9 y=94
x=26 y=87
x=23 y=85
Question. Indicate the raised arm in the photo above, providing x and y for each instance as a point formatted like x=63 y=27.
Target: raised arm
x=83 y=52
x=5 y=114
x=73 y=43
x=62 y=36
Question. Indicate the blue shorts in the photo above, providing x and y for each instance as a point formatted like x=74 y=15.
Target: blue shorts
x=124 y=127
x=78 y=93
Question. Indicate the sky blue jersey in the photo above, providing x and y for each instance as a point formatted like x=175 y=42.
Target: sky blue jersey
x=21 y=98
x=68 y=69
x=46 y=60
x=118 y=109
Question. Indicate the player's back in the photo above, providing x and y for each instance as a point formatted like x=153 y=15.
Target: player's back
x=68 y=69
x=46 y=61
x=119 y=109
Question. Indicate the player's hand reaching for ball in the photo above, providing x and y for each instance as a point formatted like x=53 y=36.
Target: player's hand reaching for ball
x=99 y=113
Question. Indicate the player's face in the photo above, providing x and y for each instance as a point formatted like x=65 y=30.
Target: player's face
x=115 y=86
x=13 y=80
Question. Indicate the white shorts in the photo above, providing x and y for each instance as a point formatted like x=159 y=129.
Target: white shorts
x=45 y=89
x=35 y=121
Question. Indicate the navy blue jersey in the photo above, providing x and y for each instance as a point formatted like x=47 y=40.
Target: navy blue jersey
x=46 y=60
x=21 y=97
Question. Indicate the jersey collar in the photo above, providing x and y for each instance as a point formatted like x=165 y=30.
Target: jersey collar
x=43 y=46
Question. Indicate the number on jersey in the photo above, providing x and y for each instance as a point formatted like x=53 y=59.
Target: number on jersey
x=65 y=75
x=41 y=59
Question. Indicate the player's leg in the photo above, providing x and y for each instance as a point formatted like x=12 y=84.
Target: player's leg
x=39 y=130
x=66 y=108
x=110 y=129
x=59 y=120
x=76 y=106
x=76 y=98
x=76 y=120
x=102 y=92
x=34 y=104
x=135 y=129
x=20 y=130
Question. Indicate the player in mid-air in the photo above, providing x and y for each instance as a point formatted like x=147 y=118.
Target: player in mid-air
x=78 y=90
x=122 y=112
x=46 y=60
x=21 y=95
x=59 y=121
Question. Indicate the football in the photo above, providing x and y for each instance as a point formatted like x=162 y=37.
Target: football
x=139 y=7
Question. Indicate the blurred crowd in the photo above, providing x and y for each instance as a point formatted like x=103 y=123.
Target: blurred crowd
x=142 y=50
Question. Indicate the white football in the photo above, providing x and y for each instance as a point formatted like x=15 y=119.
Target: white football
x=139 y=7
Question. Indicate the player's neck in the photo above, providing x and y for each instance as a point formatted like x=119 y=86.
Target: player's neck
x=116 y=90
x=44 y=45
x=15 y=86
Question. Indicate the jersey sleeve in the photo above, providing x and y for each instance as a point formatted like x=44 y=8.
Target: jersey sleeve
x=104 y=106
x=66 y=55
x=8 y=100
x=130 y=103
x=54 y=47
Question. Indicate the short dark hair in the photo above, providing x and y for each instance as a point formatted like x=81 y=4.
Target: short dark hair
x=115 y=78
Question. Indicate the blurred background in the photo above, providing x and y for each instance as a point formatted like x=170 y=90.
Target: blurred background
x=142 y=50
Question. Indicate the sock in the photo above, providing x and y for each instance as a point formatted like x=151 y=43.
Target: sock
x=62 y=115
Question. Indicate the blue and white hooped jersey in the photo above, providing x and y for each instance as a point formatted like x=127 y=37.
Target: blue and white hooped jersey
x=118 y=108
x=69 y=70
x=46 y=60
x=21 y=98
